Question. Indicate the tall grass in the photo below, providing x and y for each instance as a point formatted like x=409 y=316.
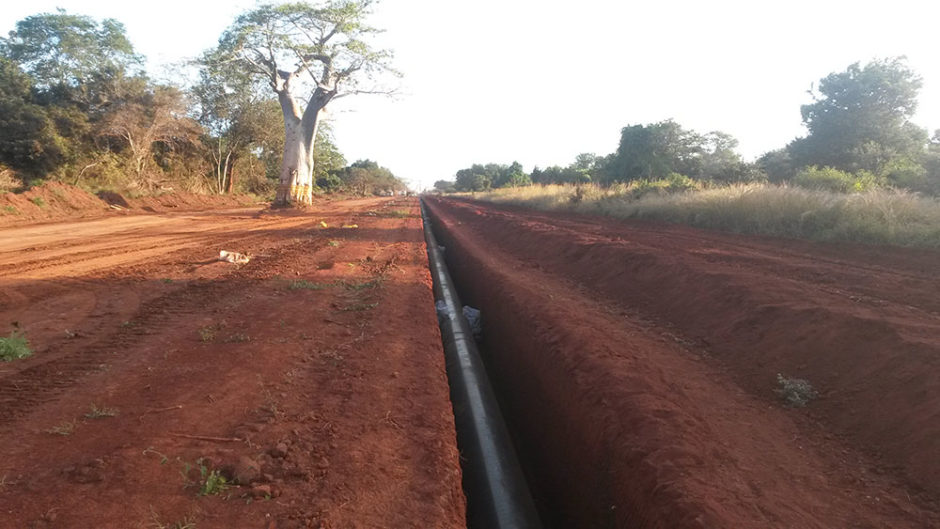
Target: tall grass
x=881 y=216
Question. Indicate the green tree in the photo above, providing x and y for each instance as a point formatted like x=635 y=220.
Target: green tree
x=365 y=177
x=239 y=120
x=74 y=57
x=777 y=165
x=655 y=151
x=328 y=160
x=445 y=186
x=474 y=178
x=720 y=161
x=860 y=119
x=28 y=139
x=308 y=56
x=510 y=176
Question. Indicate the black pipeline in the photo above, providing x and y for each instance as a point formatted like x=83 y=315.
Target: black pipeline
x=497 y=494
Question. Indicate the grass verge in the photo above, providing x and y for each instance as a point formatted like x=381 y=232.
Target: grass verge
x=878 y=216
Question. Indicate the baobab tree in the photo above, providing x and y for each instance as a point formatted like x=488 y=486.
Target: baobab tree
x=309 y=55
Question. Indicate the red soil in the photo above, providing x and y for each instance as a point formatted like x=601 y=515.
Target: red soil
x=638 y=363
x=54 y=200
x=328 y=403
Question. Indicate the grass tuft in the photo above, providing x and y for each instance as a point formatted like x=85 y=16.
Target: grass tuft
x=98 y=413
x=14 y=347
x=65 y=428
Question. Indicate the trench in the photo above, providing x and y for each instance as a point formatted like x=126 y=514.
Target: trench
x=562 y=452
x=497 y=492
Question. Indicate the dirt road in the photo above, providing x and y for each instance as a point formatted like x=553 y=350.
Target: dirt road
x=639 y=365
x=310 y=378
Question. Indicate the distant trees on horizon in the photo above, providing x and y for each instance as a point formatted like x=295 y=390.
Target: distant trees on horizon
x=859 y=134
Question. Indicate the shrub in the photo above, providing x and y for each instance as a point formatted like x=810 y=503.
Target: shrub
x=795 y=392
x=14 y=347
x=830 y=179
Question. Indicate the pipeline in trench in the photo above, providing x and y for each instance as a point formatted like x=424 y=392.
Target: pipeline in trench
x=498 y=496
x=561 y=436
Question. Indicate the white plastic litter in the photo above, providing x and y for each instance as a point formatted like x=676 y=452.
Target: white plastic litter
x=233 y=257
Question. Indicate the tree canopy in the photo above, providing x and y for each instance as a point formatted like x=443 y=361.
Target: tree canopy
x=860 y=118
x=308 y=55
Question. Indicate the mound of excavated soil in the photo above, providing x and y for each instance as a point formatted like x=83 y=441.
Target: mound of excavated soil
x=639 y=363
x=54 y=200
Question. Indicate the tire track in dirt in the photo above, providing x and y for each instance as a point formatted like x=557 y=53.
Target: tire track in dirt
x=325 y=364
x=43 y=381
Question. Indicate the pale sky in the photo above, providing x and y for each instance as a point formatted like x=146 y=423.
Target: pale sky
x=541 y=81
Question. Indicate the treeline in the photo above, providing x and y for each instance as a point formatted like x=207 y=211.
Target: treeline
x=859 y=136
x=76 y=106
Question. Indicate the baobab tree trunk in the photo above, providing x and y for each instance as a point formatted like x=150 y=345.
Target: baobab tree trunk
x=296 y=180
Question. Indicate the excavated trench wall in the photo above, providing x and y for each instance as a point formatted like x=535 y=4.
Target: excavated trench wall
x=562 y=432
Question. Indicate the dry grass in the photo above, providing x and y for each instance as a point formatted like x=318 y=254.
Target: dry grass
x=881 y=216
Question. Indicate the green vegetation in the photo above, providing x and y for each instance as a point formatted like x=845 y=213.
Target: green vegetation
x=14 y=347
x=364 y=285
x=303 y=284
x=97 y=412
x=210 y=482
x=831 y=179
x=64 y=428
x=795 y=392
x=207 y=333
x=77 y=107
x=864 y=172
x=884 y=216
x=330 y=43
x=38 y=201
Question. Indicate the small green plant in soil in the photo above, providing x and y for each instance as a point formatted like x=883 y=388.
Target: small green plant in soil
x=303 y=284
x=211 y=482
x=14 y=347
x=11 y=210
x=795 y=392
x=38 y=201
x=333 y=244
x=97 y=412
